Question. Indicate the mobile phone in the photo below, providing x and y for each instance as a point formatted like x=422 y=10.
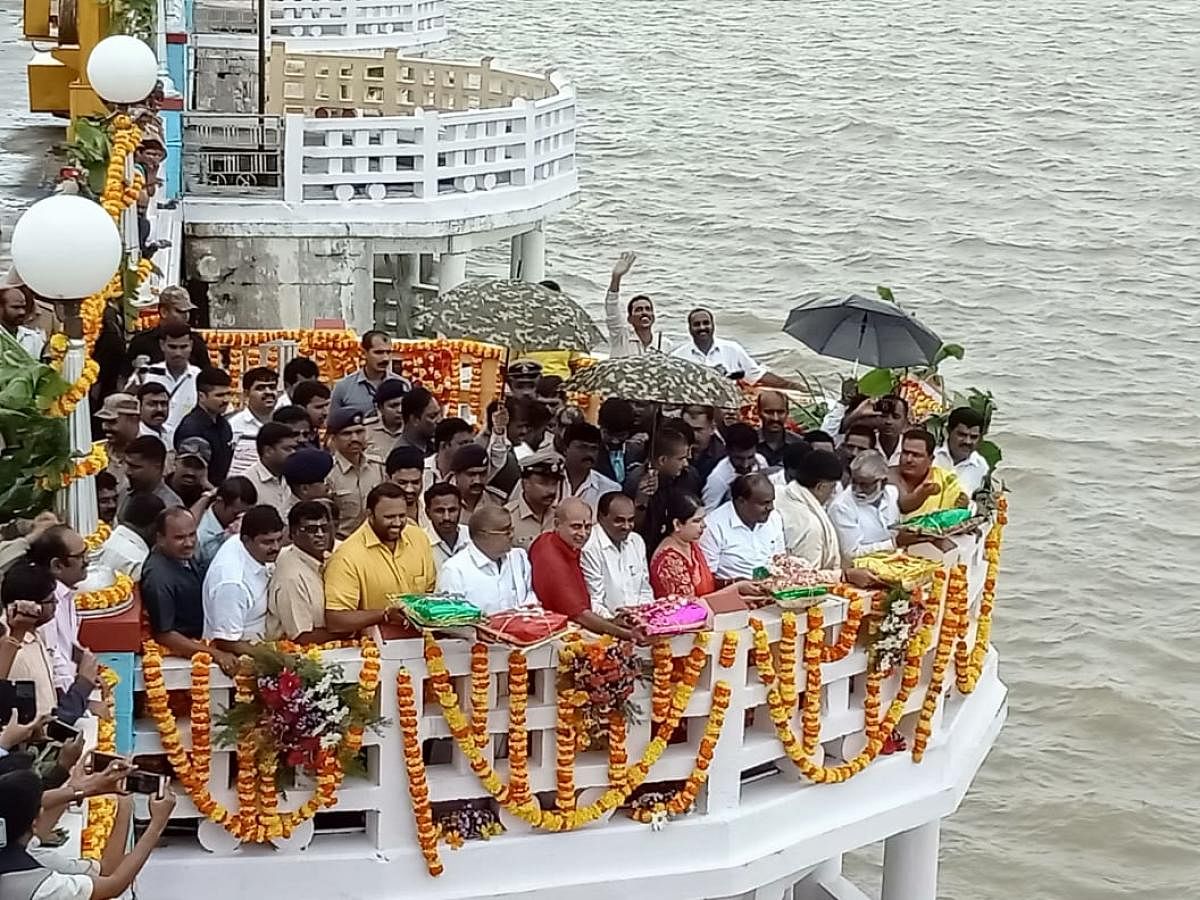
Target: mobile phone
x=148 y=783
x=99 y=762
x=76 y=654
x=60 y=731
x=25 y=701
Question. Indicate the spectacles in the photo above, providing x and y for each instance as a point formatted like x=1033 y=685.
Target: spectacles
x=80 y=555
x=314 y=527
x=507 y=532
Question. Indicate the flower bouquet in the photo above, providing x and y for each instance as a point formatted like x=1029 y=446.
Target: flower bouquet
x=595 y=680
x=300 y=712
x=889 y=635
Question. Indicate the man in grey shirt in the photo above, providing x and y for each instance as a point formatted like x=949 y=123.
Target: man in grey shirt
x=357 y=390
x=145 y=458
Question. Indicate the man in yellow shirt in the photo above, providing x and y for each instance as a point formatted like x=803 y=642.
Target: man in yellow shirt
x=385 y=556
x=924 y=488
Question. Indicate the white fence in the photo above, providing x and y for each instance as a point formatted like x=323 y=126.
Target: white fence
x=749 y=776
x=330 y=25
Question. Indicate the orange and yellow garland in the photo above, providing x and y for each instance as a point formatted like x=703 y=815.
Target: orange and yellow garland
x=106 y=598
x=479 y=694
x=530 y=810
x=102 y=811
x=257 y=818
x=969 y=665
x=518 y=735
x=414 y=765
x=97 y=538
x=848 y=635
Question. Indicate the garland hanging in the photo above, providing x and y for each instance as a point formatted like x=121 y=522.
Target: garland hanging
x=102 y=811
x=968 y=666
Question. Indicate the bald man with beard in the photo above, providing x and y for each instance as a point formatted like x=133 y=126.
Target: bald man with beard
x=558 y=577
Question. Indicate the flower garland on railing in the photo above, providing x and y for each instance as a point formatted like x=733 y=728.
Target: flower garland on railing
x=660 y=689
x=968 y=666
x=787 y=658
x=814 y=644
x=954 y=614
x=848 y=635
x=116 y=594
x=102 y=811
x=763 y=661
x=530 y=810
x=257 y=818
x=729 y=648
x=480 y=680
x=414 y=765
x=518 y=735
x=96 y=539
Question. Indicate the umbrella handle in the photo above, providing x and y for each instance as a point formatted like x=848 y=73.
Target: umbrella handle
x=504 y=377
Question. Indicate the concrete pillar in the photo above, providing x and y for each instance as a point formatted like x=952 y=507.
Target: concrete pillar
x=514 y=258
x=910 y=863
x=533 y=255
x=452 y=271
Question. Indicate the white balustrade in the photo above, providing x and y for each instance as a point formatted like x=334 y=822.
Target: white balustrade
x=341 y=25
x=754 y=811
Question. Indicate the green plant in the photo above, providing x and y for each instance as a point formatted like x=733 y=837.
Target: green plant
x=132 y=17
x=35 y=445
x=91 y=150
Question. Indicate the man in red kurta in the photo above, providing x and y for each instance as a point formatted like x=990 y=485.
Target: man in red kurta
x=557 y=575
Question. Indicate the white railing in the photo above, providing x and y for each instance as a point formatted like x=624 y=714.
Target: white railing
x=328 y=25
x=749 y=776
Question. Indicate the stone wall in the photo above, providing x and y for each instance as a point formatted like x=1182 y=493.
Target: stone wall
x=274 y=282
x=225 y=81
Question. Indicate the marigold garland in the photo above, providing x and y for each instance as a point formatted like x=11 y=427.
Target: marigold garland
x=257 y=818
x=106 y=598
x=787 y=656
x=810 y=718
x=414 y=766
x=968 y=666
x=564 y=757
x=685 y=797
x=66 y=402
x=518 y=736
x=664 y=670
x=102 y=811
x=479 y=694
x=762 y=653
x=618 y=757
x=530 y=811
x=954 y=616
x=97 y=538
x=729 y=648
x=848 y=635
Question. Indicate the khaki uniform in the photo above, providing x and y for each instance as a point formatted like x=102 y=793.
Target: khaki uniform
x=526 y=524
x=380 y=441
x=272 y=490
x=348 y=489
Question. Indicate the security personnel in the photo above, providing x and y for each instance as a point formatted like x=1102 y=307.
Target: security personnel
x=522 y=378
x=355 y=470
x=532 y=505
x=385 y=424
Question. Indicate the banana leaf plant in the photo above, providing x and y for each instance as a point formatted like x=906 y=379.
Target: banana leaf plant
x=33 y=444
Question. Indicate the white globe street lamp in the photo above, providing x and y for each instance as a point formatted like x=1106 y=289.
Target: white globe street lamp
x=66 y=248
x=122 y=69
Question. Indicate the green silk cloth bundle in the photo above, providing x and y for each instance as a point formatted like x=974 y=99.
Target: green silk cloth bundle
x=438 y=610
x=938 y=522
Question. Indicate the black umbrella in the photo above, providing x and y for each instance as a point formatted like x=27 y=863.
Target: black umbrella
x=868 y=330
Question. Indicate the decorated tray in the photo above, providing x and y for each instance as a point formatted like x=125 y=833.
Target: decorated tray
x=670 y=615
x=437 y=610
x=523 y=628
x=943 y=523
x=800 y=597
x=898 y=568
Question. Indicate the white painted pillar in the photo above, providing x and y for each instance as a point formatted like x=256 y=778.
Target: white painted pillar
x=910 y=863
x=514 y=258
x=452 y=271
x=533 y=255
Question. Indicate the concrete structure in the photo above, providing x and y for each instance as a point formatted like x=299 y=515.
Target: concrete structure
x=337 y=26
x=370 y=170
x=759 y=830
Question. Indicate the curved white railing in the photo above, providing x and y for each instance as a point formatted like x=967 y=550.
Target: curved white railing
x=752 y=811
x=411 y=140
x=330 y=25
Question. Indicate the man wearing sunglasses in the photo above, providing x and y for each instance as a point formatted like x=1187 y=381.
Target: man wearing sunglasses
x=295 y=594
x=62 y=552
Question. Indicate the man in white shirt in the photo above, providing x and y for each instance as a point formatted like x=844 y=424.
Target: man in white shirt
x=218 y=522
x=489 y=572
x=864 y=514
x=741 y=458
x=746 y=533
x=630 y=330
x=581 y=448
x=235 y=586
x=176 y=374
x=964 y=430
x=451 y=434
x=127 y=547
x=727 y=357
x=614 y=558
x=258 y=404
x=154 y=405
x=62 y=552
x=443 y=511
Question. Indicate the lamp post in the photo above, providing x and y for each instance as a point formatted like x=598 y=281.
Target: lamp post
x=49 y=232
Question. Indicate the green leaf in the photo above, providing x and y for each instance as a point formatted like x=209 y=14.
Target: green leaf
x=949 y=350
x=991 y=452
x=885 y=293
x=877 y=382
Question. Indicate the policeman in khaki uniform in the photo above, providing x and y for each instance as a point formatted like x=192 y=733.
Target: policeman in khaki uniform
x=355 y=469
x=533 y=501
x=385 y=424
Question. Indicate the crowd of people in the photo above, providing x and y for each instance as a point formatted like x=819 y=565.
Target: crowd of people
x=307 y=510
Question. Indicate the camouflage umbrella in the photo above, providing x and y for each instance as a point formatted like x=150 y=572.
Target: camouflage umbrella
x=518 y=315
x=658 y=378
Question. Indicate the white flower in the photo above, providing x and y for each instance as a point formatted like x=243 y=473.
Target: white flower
x=658 y=819
x=331 y=740
x=900 y=607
